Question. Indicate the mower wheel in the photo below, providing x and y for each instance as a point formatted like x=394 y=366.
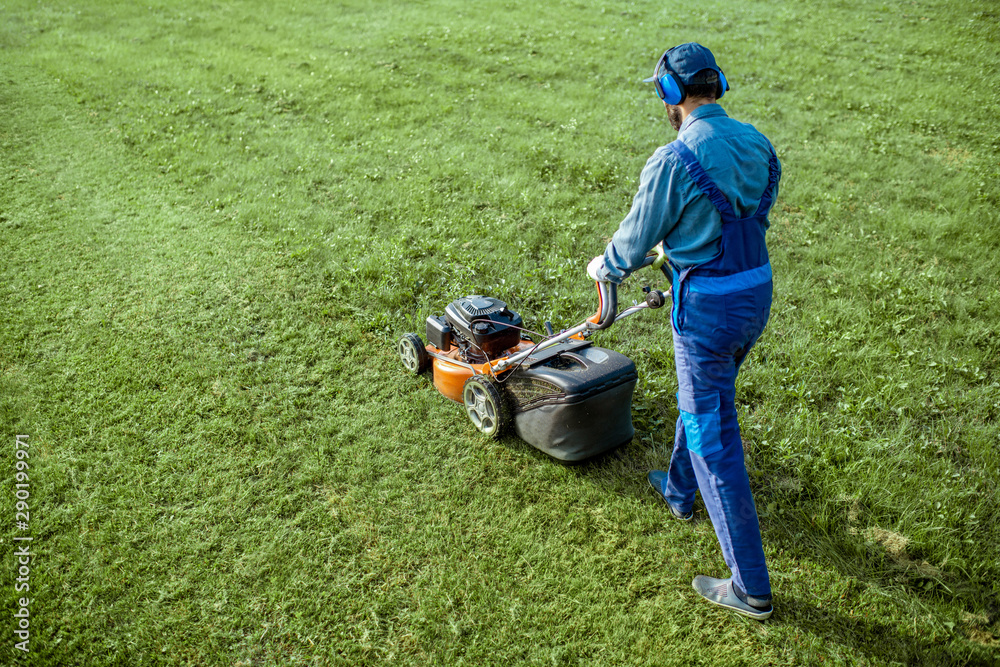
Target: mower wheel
x=486 y=405
x=412 y=353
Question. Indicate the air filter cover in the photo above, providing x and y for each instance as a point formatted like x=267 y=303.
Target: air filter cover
x=486 y=322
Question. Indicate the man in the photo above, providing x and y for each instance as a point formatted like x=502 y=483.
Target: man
x=706 y=197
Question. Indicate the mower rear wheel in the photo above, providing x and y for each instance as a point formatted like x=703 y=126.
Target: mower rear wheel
x=486 y=406
x=412 y=353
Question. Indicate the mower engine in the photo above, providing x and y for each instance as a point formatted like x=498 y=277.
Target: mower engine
x=481 y=327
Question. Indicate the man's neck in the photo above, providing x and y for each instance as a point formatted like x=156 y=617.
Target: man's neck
x=690 y=104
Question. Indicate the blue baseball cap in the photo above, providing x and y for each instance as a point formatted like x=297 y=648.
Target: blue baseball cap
x=685 y=61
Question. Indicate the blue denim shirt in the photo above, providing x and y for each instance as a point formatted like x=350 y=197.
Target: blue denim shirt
x=669 y=206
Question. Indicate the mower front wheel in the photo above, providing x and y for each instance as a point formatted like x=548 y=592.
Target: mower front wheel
x=486 y=406
x=412 y=353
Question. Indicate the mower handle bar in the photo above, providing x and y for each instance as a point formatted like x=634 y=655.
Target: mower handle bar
x=608 y=295
x=606 y=316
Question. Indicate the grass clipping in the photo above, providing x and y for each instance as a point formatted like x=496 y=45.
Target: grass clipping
x=892 y=544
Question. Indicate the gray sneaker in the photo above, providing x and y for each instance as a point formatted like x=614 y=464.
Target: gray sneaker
x=723 y=593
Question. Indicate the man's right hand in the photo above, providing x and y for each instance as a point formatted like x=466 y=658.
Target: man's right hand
x=595 y=266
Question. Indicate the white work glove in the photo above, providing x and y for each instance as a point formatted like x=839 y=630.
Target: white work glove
x=596 y=265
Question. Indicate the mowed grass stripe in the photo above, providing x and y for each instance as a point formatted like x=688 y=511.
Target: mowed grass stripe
x=141 y=313
x=158 y=427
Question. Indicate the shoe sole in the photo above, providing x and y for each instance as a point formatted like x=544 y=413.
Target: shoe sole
x=672 y=513
x=757 y=616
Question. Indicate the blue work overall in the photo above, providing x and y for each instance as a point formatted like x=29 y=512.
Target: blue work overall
x=720 y=308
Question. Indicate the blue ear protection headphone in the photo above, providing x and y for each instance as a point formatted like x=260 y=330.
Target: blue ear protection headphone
x=670 y=88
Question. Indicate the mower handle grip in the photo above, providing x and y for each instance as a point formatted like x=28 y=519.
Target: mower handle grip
x=608 y=294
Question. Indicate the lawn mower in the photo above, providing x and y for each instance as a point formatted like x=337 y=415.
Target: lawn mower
x=562 y=395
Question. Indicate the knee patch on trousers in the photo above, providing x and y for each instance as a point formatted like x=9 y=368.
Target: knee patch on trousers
x=702 y=419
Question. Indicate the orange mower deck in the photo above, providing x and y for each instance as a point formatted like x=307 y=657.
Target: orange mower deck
x=449 y=378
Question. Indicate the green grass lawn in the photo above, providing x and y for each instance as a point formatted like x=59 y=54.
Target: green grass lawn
x=216 y=219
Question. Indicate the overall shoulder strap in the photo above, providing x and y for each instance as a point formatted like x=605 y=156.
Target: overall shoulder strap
x=702 y=179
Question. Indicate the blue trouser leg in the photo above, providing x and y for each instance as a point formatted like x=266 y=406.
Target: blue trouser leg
x=712 y=336
x=681 y=480
x=725 y=489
